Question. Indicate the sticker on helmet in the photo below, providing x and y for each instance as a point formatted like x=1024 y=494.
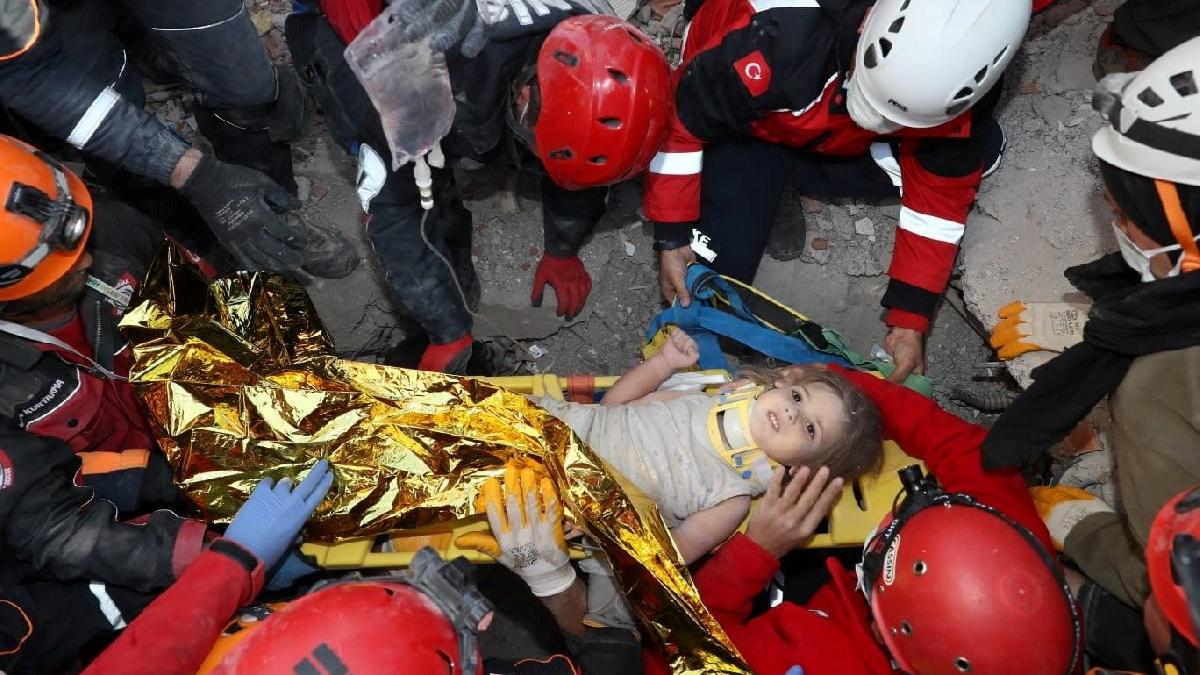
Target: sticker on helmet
x=889 y=562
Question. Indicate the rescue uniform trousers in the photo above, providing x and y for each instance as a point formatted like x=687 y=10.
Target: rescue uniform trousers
x=1156 y=26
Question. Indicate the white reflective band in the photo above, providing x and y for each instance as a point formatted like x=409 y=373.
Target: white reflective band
x=882 y=154
x=207 y=25
x=110 y=609
x=677 y=163
x=86 y=127
x=764 y=5
x=931 y=227
x=39 y=337
x=372 y=173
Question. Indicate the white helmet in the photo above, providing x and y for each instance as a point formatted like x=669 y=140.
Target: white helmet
x=1154 y=117
x=923 y=62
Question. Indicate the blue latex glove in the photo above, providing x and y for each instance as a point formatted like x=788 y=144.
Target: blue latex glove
x=294 y=567
x=269 y=521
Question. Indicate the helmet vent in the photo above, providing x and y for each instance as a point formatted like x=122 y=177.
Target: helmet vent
x=1150 y=97
x=569 y=60
x=885 y=47
x=965 y=92
x=905 y=5
x=920 y=568
x=598 y=160
x=561 y=153
x=957 y=108
x=611 y=122
x=979 y=77
x=1184 y=83
x=869 y=59
x=618 y=75
x=962 y=664
x=906 y=629
x=896 y=25
x=1000 y=55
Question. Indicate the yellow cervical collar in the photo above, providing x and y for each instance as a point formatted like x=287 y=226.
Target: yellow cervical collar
x=729 y=432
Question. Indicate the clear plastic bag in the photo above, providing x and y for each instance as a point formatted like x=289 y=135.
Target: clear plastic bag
x=407 y=82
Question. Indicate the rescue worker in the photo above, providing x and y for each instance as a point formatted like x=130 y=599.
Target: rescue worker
x=63 y=70
x=420 y=621
x=69 y=266
x=229 y=574
x=1138 y=344
x=961 y=577
x=768 y=88
x=584 y=93
x=71 y=573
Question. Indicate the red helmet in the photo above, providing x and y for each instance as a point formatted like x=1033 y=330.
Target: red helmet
x=421 y=623
x=957 y=587
x=605 y=101
x=1173 y=559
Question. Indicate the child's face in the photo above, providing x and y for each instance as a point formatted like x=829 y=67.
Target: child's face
x=793 y=424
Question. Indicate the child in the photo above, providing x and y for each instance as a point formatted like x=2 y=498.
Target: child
x=702 y=458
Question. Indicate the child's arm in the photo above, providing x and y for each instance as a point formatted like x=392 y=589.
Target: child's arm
x=704 y=530
x=680 y=352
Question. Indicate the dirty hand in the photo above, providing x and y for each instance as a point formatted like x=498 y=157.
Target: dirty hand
x=570 y=280
x=1062 y=508
x=789 y=515
x=527 y=532
x=1038 y=326
x=680 y=351
x=672 y=274
x=270 y=520
x=249 y=214
x=445 y=22
x=907 y=349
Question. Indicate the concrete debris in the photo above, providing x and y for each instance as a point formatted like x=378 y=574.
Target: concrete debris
x=864 y=227
x=303 y=188
x=1053 y=109
x=819 y=244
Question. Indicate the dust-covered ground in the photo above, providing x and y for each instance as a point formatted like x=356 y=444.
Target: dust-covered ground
x=1039 y=213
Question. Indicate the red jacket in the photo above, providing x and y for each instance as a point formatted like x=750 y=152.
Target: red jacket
x=832 y=635
x=176 y=632
x=775 y=70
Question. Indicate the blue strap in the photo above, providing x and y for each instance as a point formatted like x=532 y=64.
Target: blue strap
x=704 y=324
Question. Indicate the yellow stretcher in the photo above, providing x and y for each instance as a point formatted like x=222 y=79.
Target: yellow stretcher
x=861 y=507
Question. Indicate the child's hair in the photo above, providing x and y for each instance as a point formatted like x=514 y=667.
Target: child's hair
x=859 y=450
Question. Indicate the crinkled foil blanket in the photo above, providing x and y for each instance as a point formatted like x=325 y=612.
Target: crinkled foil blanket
x=240 y=379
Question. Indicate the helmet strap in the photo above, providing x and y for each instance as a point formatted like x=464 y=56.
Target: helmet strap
x=1168 y=193
x=451 y=586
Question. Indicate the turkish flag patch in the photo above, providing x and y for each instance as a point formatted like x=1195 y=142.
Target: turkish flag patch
x=755 y=73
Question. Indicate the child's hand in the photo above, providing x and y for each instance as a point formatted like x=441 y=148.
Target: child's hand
x=788 y=516
x=680 y=350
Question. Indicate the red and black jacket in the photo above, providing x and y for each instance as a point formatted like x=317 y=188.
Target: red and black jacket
x=775 y=70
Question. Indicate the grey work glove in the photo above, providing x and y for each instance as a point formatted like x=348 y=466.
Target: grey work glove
x=445 y=22
x=253 y=218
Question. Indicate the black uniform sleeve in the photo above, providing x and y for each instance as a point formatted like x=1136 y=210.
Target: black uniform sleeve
x=59 y=531
x=569 y=216
x=49 y=85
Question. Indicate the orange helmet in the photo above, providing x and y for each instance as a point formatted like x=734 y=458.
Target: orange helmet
x=947 y=570
x=422 y=621
x=46 y=220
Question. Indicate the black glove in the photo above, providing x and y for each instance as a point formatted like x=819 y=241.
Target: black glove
x=445 y=22
x=248 y=213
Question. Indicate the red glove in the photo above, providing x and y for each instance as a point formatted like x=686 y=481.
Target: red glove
x=570 y=280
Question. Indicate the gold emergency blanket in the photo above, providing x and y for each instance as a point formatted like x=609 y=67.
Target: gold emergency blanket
x=241 y=382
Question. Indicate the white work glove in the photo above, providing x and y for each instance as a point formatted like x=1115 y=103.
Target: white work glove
x=527 y=533
x=1063 y=507
x=1038 y=326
